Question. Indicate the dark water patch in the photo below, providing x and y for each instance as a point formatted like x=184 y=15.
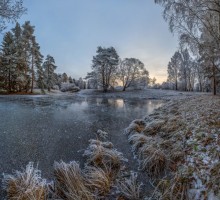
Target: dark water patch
x=44 y=128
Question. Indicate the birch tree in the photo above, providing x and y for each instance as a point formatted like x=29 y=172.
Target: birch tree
x=131 y=70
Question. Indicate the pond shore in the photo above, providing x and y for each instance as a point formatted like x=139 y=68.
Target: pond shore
x=140 y=94
x=170 y=128
x=178 y=146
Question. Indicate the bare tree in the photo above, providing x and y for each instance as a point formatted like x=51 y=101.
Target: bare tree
x=191 y=19
x=131 y=70
x=10 y=11
x=173 y=68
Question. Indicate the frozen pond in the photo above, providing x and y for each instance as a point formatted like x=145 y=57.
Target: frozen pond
x=47 y=128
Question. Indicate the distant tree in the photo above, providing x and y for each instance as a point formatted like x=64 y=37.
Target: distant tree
x=10 y=11
x=153 y=81
x=173 y=68
x=81 y=84
x=70 y=79
x=49 y=68
x=184 y=71
x=131 y=70
x=64 y=78
x=104 y=66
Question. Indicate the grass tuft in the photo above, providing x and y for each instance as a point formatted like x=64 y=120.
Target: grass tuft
x=99 y=180
x=130 y=188
x=26 y=185
x=153 y=160
x=70 y=182
x=105 y=158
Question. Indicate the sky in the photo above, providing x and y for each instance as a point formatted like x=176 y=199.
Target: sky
x=71 y=31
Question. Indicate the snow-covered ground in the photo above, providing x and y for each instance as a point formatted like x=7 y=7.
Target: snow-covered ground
x=140 y=94
x=181 y=140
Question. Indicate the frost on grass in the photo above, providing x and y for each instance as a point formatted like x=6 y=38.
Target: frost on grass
x=69 y=87
x=103 y=155
x=130 y=188
x=25 y=185
x=180 y=141
x=96 y=180
x=70 y=181
x=102 y=134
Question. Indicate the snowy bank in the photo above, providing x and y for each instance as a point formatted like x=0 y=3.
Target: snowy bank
x=178 y=146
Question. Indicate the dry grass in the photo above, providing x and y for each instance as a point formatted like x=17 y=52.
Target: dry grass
x=153 y=127
x=71 y=182
x=100 y=143
x=215 y=179
x=137 y=126
x=98 y=180
x=105 y=158
x=26 y=185
x=130 y=188
x=153 y=160
x=138 y=140
x=176 y=188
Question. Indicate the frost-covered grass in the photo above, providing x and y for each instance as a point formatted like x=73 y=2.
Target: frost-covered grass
x=130 y=188
x=25 y=185
x=179 y=148
x=70 y=181
x=100 y=177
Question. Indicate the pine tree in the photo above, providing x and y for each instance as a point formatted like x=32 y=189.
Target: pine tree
x=36 y=63
x=104 y=66
x=8 y=62
x=27 y=37
x=49 y=68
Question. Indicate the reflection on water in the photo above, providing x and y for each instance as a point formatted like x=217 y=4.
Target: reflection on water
x=43 y=129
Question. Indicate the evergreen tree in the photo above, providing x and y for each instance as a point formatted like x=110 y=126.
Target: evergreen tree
x=8 y=62
x=36 y=65
x=27 y=37
x=49 y=68
x=105 y=66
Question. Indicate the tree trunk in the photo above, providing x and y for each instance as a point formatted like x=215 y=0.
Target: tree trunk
x=214 y=80
x=214 y=83
x=176 y=85
x=105 y=89
x=9 y=80
x=32 y=78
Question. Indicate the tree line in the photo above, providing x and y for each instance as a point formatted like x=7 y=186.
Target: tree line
x=21 y=62
x=197 y=23
x=23 y=67
x=108 y=71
